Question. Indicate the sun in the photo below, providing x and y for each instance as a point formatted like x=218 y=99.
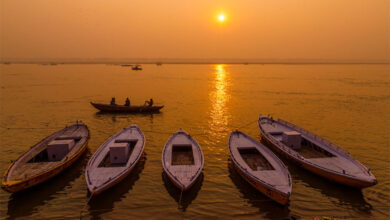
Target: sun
x=221 y=17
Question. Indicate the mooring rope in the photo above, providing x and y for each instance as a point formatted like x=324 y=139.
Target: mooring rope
x=81 y=212
x=246 y=125
x=181 y=194
x=196 y=134
x=31 y=128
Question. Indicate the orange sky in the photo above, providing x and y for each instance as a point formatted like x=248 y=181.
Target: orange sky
x=254 y=29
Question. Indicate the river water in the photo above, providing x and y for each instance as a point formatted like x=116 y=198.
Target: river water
x=347 y=104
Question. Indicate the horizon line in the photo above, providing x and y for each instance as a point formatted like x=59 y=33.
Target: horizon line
x=120 y=61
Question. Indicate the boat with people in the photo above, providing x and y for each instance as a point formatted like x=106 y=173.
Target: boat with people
x=127 y=108
x=114 y=159
x=136 y=67
x=260 y=167
x=182 y=160
x=314 y=153
x=47 y=158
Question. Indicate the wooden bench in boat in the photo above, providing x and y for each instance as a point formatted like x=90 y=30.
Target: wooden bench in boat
x=254 y=159
x=106 y=162
x=182 y=155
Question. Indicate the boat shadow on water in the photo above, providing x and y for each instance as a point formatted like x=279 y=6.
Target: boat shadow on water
x=345 y=196
x=104 y=202
x=188 y=196
x=266 y=206
x=118 y=115
x=26 y=202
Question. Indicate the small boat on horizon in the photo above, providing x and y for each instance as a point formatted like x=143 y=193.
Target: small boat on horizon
x=127 y=109
x=114 y=159
x=314 y=153
x=136 y=67
x=182 y=160
x=47 y=158
x=260 y=167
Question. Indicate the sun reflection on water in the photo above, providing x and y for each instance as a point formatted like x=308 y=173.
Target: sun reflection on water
x=219 y=96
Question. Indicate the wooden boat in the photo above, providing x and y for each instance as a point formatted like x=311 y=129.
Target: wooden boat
x=129 y=109
x=47 y=158
x=314 y=153
x=136 y=67
x=260 y=167
x=114 y=159
x=182 y=160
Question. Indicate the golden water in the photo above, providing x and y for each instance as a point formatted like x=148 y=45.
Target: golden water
x=347 y=104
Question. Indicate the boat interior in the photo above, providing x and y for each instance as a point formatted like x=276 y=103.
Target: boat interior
x=254 y=159
x=307 y=148
x=182 y=154
x=43 y=155
x=106 y=162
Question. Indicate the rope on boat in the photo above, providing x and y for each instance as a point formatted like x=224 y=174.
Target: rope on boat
x=31 y=128
x=81 y=212
x=171 y=133
x=181 y=194
x=158 y=132
x=246 y=125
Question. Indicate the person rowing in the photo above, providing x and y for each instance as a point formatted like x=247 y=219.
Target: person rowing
x=149 y=103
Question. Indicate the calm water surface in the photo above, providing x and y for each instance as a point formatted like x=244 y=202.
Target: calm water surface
x=347 y=104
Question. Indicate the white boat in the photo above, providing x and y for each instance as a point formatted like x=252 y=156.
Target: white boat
x=314 y=153
x=114 y=159
x=182 y=160
x=260 y=167
x=47 y=158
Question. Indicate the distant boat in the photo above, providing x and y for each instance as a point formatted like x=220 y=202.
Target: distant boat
x=128 y=109
x=126 y=65
x=114 y=159
x=314 y=153
x=137 y=67
x=47 y=158
x=260 y=167
x=182 y=160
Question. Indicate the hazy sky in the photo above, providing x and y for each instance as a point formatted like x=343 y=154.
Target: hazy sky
x=255 y=29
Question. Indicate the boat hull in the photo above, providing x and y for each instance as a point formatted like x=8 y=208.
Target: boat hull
x=126 y=109
x=16 y=186
x=345 y=180
x=180 y=186
x=114 y=182
x=195 y=170
x=273 y=194
x=101 y=182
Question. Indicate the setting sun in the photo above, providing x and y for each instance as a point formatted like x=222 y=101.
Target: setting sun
x=221 y=17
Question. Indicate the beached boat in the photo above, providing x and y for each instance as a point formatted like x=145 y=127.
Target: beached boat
x=47 y=158
x=129 y=109
x=314 y=153
x=114 y=159
x=260 y=167
x=182 y=160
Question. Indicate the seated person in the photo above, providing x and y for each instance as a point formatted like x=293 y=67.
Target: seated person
x=113 y=101
x=127 y=102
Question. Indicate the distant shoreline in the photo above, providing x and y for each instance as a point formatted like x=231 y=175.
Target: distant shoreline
x=190 y=62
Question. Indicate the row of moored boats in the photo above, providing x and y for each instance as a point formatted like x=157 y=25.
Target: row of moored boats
x=183 y=160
